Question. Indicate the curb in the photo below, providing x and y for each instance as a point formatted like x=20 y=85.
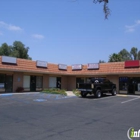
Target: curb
x=7 y=94
x=123 y=95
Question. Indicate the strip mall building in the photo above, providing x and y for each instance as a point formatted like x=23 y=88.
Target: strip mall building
x=38 y=75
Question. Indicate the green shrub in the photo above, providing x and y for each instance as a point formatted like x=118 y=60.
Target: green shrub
x=76 y=92
x=54 y=91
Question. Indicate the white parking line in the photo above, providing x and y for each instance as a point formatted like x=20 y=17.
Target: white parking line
x=130 y=100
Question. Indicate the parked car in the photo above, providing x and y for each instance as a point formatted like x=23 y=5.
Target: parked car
x=97 y=86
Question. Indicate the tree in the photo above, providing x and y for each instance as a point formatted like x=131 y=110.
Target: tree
x=101 y=61
x=5 y=49
x=138 y=55
x=17 y=50
x=125 y=55
x=115 y=57
x=105 y=7
x=134 y=53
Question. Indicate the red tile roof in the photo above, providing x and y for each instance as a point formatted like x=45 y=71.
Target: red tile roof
x=112 y=68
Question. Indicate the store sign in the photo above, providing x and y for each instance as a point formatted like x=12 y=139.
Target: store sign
x=62 y=67
x=76 y=67
x=123 y=79
x=10 y=60
x=41 y=64
x=93 y=66
x=132 y=64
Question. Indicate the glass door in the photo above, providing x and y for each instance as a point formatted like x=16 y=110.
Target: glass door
x=131 y=86
x=58 y=82
x=33 y=83
x=9 y=83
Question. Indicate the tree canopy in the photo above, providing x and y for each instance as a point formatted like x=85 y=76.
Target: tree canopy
x=124 y=55
x=101 y=61
x=138 y=55
x=18 y=50
x=134 y=53
x=115 y=57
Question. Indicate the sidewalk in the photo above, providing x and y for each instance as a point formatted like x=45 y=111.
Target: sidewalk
x=70 y=93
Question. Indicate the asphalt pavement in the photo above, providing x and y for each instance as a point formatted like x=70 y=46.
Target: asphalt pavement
x=51 y=117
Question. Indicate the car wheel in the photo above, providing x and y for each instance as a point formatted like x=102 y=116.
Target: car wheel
x=98 y=94
x=114 y=92
x=83 y=94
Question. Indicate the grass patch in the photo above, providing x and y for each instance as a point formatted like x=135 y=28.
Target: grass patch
x=76 y=92
x=55 y=91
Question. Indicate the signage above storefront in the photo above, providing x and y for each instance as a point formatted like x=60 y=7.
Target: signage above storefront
x=77 y=67
x=93 y=66
x=42 y=64
x=132 y=64
x=62 y=67
x=8 y=59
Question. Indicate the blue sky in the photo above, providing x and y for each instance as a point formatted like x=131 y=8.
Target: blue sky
x=70 y=31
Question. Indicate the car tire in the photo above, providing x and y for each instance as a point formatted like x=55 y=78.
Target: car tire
x=83 y=94
x=98 y=94
x=114 y=92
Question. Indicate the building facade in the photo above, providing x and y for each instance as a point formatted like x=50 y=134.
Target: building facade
x=39 y=75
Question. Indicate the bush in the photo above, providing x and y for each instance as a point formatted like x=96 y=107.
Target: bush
x=55 y=91
x=20 y=89
x=76 y=92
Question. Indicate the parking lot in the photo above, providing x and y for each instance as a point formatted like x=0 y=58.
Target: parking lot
x=39 y=116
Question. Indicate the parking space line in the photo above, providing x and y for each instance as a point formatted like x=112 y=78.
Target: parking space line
x=122 y=95
x=130 y=100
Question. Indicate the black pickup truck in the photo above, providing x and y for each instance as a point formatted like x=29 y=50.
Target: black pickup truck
x=97 y=86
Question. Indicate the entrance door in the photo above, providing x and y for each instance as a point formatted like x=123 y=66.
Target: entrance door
x=131 y=89
x=33 y=83
x=9 y=83
x=131 y=86
x=58 y=82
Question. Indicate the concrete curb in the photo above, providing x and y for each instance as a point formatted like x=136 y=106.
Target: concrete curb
x=124 y=95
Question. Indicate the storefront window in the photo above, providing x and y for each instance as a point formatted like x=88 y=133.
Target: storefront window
x=2 y=81
x=26 y=82
x=39 y=82
x=123 y=83
x=136 y=82
x=79 y=80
